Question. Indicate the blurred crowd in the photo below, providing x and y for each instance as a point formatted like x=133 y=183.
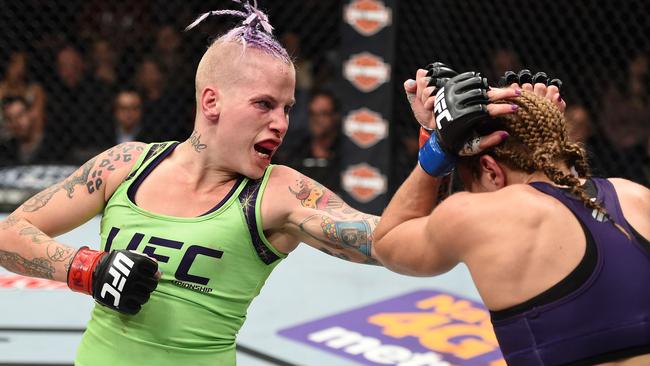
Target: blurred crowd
x=95 y=92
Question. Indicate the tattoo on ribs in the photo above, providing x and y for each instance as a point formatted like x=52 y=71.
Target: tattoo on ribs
x=37 y=267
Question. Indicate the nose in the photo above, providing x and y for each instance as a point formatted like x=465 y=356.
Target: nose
x=280 y=123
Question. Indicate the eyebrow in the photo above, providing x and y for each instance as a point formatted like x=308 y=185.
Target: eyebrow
x=291 y=102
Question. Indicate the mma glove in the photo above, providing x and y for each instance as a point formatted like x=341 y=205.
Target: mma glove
x=461 y=105
x=439 y=73
x=121 y=280
x=525 y=76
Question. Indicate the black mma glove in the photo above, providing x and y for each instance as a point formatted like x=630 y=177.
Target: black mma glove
x=439 y=74
x=461 y=104
x=524 y=76
x=121 y=280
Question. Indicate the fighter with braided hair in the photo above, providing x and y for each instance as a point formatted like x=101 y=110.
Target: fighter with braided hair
x=561 y=259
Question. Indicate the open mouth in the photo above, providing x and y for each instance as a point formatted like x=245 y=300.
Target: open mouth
x=262 y=151
x=266 y=148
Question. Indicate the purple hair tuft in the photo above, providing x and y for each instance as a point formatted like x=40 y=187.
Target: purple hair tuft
x=255 y=31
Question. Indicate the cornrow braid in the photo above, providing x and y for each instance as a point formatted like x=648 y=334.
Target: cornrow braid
x=255 y=30
x=538 y=141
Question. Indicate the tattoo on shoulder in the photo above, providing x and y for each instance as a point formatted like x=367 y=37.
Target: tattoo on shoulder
x=195 y=141
x=80 y=179
x=314 y=195
x=92 y=179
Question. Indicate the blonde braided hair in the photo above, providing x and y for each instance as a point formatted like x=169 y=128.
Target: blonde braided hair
x=539 y=142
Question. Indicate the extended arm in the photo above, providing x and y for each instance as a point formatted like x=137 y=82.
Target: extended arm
x=311 y=213
x=27 y=246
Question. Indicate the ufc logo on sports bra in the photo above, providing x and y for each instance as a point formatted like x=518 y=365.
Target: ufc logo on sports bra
x=183 y=270
x=440 y=108
x=120 y=269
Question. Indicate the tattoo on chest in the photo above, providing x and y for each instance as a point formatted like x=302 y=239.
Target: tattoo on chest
x=195 y=140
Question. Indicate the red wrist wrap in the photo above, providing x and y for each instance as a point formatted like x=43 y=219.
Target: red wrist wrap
x=80 y=274
x=424 y=136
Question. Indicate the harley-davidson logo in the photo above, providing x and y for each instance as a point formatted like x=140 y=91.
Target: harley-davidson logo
x=367 y=16
x=366 y=71
x=365 y=127
x=363 y=182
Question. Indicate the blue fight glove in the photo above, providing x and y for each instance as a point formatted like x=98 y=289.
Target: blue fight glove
x=433 y=159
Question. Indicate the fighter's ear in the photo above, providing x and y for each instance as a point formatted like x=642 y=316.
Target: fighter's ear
x=210 y=103
x=492 y=174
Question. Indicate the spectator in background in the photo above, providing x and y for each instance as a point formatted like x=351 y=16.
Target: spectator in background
x=17 y=83
x=503 y=59
x=127 y=116
x=24 y=142
x=299 y=127
x=104 y=64
x=317 y=155
x=304 y=78
x=126 y=24
x=580 y=129
x=162 y=107
x=625 y=119
x=169 y=56
x=76 y=109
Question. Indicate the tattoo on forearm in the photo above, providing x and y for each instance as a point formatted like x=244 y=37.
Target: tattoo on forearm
x=367 y=260
x=341 y=234
x=337 y=255
x=8 y=222
x=37 y=267
x=195 y=141
x=59 y=253
x=41 y=199
x=37 y=236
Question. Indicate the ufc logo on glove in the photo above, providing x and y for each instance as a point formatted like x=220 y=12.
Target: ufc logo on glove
x=119 y=270
x=440 y=108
